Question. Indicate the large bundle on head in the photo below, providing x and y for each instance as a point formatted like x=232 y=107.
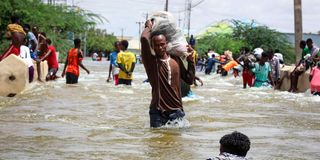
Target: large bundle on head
x=258 y=53
x=164 y=22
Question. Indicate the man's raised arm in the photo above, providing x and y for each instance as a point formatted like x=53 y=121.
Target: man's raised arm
x=147 y=57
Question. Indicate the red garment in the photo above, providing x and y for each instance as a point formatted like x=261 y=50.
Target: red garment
x=116 y=79
x=248 y=78
x=315 y=81
x=73 y=58
x=11 y=50
x=52 y=58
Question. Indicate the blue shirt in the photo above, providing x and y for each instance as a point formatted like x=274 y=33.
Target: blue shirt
x=113 y=58
x=211 y=62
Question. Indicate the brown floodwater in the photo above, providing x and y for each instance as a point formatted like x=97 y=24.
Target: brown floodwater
x=97 y=120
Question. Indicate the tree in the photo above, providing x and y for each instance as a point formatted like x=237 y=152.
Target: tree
x=247 y=34
x=263 y=37
x=99 y=40
x=219 y=43
x=55 y=21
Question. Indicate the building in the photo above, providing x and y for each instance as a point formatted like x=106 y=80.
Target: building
x=134 y=44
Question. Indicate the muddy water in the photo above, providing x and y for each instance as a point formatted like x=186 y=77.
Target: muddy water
x=96 y=120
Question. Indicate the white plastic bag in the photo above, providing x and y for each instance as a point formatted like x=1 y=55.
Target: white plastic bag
x=165 y=23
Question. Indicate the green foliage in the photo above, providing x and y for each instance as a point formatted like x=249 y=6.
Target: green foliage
x=219 y=43
x=55 y=21
x=263 y=37
x=249 y=35
x=99 y=40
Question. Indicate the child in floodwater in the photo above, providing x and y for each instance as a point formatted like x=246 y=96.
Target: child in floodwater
x=73 y=61
x=315 y=80
x=233 y=146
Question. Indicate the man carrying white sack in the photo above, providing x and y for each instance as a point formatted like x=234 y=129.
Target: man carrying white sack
x=164 y=72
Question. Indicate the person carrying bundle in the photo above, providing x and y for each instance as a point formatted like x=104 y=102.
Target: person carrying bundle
x=17 y=35
x=165 y=73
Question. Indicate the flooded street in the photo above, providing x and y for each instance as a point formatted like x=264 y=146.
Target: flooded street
x=97 y=120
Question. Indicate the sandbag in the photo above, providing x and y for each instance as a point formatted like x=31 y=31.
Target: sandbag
x=14 y=76
x=43 y=70
x=303 y=81
x=165 y=23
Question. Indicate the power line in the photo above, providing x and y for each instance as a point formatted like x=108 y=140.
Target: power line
x=139 y=23
x=197 y=3
x=188 y=8
x=146 y=14
x=122 y=29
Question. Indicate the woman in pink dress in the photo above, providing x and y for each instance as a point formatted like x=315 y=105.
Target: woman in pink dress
x=315 y=80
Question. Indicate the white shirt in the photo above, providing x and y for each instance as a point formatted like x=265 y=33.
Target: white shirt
x=95 y=55
x=25 y=55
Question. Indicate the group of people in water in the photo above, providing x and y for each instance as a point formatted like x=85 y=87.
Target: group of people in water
x=310 y=61
x=122 y=64
x=259 y=68
x=166 y=72
x=31 y=45
x=34 y=46
x=262 y=68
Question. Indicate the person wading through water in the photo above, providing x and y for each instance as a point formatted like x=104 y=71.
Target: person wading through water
x=164 y=73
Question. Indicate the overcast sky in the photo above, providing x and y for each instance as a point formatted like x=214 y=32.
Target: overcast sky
x=277 y=14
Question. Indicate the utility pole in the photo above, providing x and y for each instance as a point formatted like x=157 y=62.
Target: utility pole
x=122 y=33
x=166 y=8
x=297 y=27
x=139 y=23
x=146 y=15
x=179 y=21
x=189 y=17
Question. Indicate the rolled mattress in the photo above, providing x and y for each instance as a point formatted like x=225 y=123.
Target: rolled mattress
x=14 y=76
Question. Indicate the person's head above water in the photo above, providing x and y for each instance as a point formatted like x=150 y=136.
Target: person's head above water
x=49 y=42
x=117 y=46
x=159 y=44
x=235 y=143
x=270 y=54
x=244 y=50
x=77 y=43
x=309 y=43
x=264 y=57
x=303 y=44
x=15 y=19
x=26 y=27
x=124 y=45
